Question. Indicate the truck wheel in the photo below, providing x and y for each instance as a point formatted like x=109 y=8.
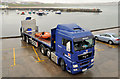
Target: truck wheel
x=23 y=37
x=62 y=64
x=48 y=51
x=27 y=40
x=42 y=49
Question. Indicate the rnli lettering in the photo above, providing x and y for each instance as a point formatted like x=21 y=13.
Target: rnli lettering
x=33 y=42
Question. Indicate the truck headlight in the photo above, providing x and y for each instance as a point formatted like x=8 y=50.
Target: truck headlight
x=92 y=64
x=92 y=60
x=74 y=66
x=75 y=69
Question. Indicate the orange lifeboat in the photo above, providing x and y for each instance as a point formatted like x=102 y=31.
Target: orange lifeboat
x=43 y=35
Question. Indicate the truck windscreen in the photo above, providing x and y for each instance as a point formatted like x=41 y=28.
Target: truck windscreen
x=81 y=45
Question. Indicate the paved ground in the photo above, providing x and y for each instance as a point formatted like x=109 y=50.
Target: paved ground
x=19 y=60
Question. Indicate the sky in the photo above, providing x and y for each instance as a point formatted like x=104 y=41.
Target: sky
x=67 y=1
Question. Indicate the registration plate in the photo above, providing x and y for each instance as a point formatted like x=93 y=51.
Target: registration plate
x=83 y=70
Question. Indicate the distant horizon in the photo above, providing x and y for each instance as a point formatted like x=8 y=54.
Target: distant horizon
x=63 y=1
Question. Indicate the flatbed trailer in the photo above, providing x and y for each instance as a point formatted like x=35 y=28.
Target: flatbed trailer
x=47 y=42
x=70 y=46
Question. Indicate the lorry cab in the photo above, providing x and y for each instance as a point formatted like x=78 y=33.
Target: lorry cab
x=75 y=46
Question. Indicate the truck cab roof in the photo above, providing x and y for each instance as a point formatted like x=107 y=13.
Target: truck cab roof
x=73 y=31
x=70 y=27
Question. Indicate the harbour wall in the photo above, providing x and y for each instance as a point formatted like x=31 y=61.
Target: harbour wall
x=54 y=9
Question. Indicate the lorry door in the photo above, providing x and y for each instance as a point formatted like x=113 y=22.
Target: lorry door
x=67 y=48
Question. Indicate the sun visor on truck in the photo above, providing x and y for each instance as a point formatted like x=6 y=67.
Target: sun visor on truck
x=83 y=38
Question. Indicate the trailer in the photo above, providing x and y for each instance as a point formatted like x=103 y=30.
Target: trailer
x=70 y=46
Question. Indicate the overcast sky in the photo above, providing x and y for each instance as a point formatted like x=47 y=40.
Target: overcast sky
x=67 y=1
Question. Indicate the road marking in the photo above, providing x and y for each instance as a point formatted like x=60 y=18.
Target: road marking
x=26 y=46
x=108 y=44
x=6 y=49
x=14 y=57
x=37 y=55
x=99 y=49
x=15 y=48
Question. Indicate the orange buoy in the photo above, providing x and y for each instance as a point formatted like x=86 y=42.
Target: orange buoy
x=43 y=35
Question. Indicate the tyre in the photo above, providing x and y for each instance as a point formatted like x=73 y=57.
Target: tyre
x=21 y=31
x=27 y=40
x=96 y=38
x=42 y=49
x=48 y=51
x=62 y=64
x=110 y=42
x=23 y=37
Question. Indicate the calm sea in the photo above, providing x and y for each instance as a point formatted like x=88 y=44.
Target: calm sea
x=10 y=22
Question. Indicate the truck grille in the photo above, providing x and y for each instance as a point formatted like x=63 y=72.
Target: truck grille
x=84 y=63
x=84 y=56
x=84 y=67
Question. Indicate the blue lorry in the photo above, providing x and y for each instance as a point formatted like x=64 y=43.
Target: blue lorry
x=70 y=46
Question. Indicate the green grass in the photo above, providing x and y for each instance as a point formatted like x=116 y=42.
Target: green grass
x=32 y=5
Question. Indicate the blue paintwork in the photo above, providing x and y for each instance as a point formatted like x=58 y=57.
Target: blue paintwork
x=28 y=18
x=67 y=31
x=29 y=29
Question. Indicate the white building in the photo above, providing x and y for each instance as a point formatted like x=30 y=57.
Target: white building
x=3 y=6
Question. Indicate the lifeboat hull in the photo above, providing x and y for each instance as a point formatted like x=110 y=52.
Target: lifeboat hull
x=44 y=35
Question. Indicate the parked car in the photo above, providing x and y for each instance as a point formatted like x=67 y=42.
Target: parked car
x=111 y=38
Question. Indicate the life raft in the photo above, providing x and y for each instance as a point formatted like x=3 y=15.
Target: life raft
x=43 y=35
